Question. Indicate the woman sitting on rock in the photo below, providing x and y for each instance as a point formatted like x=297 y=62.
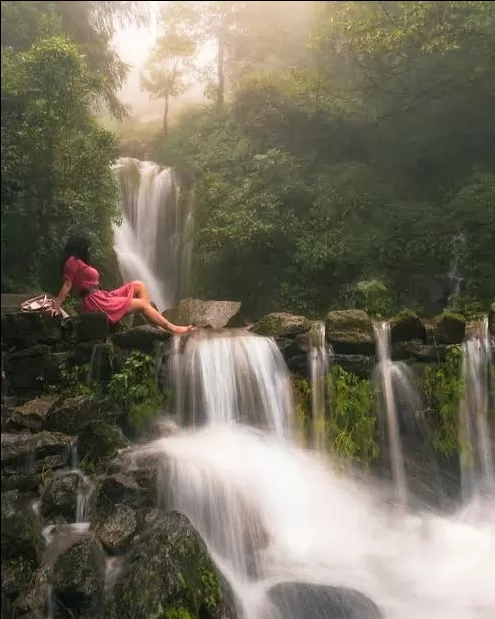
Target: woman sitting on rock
x=130 y=298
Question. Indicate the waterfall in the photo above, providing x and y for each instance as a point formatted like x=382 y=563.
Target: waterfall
x=222 y=377
x=319 y=370
x=477 y=465
x=397 y=397
x=153 y=242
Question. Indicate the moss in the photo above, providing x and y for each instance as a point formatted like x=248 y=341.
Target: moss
x=350 y=332
x=99 y=441
x=406 y=326
x=280 y=324
x=449 y=328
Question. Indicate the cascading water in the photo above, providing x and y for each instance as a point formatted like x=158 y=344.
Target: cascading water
x=477 y=463
x=319 y=369
x=153 y=243
x=222 y=377
x=294 y=536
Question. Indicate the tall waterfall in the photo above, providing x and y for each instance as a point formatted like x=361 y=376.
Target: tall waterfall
x=319 y=369
x=153 y=243
x=477 y=464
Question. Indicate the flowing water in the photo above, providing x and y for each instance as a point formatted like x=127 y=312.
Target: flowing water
x=271 y=513
x=224 y=377
x=153 y=243
x=477 y=464
x=319 y=373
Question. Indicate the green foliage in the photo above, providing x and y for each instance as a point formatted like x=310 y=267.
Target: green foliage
x=443 y=389
x=75 y=380
x=135 y=390
x=352 y=426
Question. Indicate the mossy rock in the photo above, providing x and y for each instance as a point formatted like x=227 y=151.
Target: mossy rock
x=73 y=414
x=21 y=529
x=59 y=498
x=491 y=319
x=145 y=338
x=350 y=332
x=99 y=442
x=406 y=326
x=115 y=527
x=169 y=576
x=450 y=328
x=281 y=324
x=79 y=579
x=32 y=369
x=25 y=329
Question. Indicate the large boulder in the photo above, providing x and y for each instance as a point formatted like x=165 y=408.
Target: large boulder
x=449 y=328
x=99 y=441
x=281 y=324
x=169 y=574
x=406 y=326
x=59 y=498
x=30 y=416
x=115 y=527
x=79 y=579
x=144 y=338
x=213 y=314
x=350 y=332
x=91 y=326
x=21 y=535
x=20 y=449
x=32 y=369
x=25 y=329
x=296 y=600
x=72 y=414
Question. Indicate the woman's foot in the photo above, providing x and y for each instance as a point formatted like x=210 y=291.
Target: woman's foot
x=181 y=330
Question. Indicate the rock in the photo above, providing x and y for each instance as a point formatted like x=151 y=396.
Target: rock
x=417 y=351
x=407 y=326
x=213 y=314
x=136 y=491
x=491 y=319
x=99 y=441
x=169 y=574
x=31 y=370
x=60 y=497
x=21 y=535
x=281 y=324
x=116 y=527
x=91 y=326
x=32 y=604
x=16 y=577
x=450 y=328
x=17 y=449
x=296 y=600
x=79 y=579
x=25 y=329
x=72 y=414
x=350 y=332
x=145 y=339
x=361 y=365
x=31 y=415
x=98 y=357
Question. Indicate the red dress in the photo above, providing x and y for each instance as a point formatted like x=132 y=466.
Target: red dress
x=113 y=303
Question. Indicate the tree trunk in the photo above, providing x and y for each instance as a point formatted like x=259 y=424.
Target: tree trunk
x=221 y=69
x=165 y=118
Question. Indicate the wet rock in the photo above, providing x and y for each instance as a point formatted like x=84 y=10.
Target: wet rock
x=99 y=442
x=25 y=329
x=71 y=415
x=91 y=326
x=415 y=350
x=207 y=314
x=449 y=328
x=491 y=319
x=60 y=497
x=32 y=369
x=361 y=365
x=17 y=573
x=281 y=324
x=21 y=529
x=116 y=527
x=145 y=339
x=407 y=326
x=350 y=332
x=79 y=579
x=21 y=448
x=32 y=604
x=169 y=574
x=136 y=490
x=295 y=600
x=31 y=415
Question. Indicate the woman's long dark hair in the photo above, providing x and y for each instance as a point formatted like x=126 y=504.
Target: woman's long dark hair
x=77 y=247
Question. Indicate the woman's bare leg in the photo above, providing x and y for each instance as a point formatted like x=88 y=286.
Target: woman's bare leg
x=140 y=291
x=154 y=316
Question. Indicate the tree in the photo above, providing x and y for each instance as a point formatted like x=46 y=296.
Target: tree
x=167 y=69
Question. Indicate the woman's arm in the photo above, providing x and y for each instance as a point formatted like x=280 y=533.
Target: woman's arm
x=62 y=295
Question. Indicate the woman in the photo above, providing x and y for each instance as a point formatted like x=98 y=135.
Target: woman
x=130 y=298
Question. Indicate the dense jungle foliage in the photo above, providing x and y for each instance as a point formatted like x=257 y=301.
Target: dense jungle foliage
x=341 y=143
